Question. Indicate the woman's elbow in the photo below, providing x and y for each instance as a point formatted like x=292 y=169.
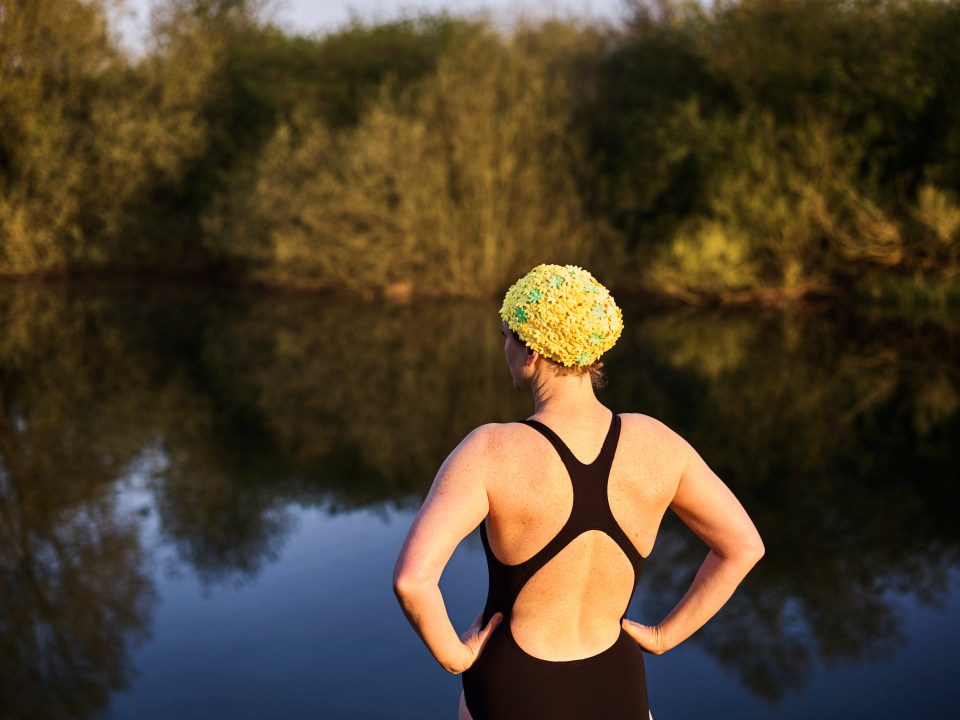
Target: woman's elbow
x=745 y=550
x=753 y=549
x=403 y=584
x=454 y=668
x=399 y=587
x=407 y=585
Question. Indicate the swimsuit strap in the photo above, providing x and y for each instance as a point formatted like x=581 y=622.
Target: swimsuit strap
x=590 y=511
x=591 y=507
x=604 y=459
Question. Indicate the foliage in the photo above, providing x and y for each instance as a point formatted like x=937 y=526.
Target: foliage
x=754 y=148
x=461 y=181
x=84 y=136
x=791 y=141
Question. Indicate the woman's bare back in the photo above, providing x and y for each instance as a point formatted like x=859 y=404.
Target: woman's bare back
x=571 y=608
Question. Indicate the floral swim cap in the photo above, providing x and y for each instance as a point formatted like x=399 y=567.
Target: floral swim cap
x=563 y=313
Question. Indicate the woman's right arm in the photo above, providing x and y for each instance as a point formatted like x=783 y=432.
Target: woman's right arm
x=710 y=509
x=456 y=504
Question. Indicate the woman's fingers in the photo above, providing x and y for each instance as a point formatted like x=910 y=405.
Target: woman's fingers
x=477 y=629
x=476 y=636
x=632 y=630
x=484 y=635
x=491 y=626
x=474 y=629
x=648 y=638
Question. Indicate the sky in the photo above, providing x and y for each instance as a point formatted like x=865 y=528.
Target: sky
x=307 y=16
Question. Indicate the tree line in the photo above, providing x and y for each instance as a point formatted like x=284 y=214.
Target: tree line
x=752 y=150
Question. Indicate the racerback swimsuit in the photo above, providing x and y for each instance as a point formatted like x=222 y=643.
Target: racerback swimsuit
x=507 y=683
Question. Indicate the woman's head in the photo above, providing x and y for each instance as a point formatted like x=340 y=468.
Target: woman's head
x=564 y=314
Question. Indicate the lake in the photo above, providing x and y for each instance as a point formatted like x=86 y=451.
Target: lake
x=203 y=492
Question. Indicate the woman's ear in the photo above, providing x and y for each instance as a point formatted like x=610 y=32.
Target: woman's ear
x=532 y=356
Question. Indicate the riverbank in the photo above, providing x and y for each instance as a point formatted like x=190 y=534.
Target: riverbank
x=890 y=296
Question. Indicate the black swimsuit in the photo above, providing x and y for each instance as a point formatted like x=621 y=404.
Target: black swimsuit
x=506 y=683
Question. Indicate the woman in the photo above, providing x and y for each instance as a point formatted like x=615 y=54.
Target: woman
x=569 y=503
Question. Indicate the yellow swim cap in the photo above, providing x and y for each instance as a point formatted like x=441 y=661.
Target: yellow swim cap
x=563 y=313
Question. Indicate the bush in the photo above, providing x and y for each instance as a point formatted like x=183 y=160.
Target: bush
x=463 y=180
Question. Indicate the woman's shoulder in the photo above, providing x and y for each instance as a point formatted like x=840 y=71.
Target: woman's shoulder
x=491 y=432
x=639 y=423
x=492 y=440
x=649 y=434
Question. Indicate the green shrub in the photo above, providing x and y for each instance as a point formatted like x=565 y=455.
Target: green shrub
x=461 y=181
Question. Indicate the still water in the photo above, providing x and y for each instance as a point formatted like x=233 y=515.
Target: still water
x=202 y=494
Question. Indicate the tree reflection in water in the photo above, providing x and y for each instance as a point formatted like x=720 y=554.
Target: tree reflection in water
x=838 y=439
x=835 y=432
x=74 y=592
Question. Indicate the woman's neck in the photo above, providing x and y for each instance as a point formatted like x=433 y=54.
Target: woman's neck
x=563 y=394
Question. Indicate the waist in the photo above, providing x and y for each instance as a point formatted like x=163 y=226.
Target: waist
x=563 y=642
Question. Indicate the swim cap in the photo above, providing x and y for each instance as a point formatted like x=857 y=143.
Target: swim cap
x=563 y=313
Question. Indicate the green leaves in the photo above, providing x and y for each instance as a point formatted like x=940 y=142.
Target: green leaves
x=757 y=146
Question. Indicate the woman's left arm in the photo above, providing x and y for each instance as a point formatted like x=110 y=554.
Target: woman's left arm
x=455 y=505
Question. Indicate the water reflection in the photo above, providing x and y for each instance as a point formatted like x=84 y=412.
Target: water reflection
x=229 y=409
x=840 y=440
x=74 y=592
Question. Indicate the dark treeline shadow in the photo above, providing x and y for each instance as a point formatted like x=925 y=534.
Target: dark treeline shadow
x=230 y=409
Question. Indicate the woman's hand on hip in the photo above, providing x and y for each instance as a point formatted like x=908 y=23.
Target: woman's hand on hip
x=648 y=637
x=475 y=638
